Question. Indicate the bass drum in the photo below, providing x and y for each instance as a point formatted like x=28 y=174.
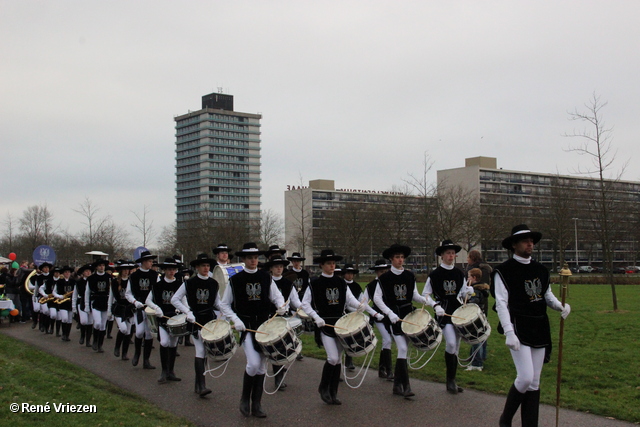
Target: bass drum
x=222 y=274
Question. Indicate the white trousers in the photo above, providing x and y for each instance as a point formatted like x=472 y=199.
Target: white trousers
x=402 y=344
x=528 y=361
x=85 y=318
x=124 y=325
x=385 y=335
x=142 y=328
x=333 y=348
x=256 y=362
x=65 y=316
x=451 y=338
x=99 y=319
x=166 y=340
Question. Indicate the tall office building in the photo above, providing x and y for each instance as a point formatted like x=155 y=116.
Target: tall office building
x=217 y=162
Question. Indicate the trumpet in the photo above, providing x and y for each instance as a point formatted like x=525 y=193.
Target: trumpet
x=66 y=297
x=46 y=299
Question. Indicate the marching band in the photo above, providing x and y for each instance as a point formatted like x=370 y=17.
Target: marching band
x=255 y=299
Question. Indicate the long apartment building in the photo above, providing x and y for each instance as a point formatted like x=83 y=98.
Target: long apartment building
x=217 y=162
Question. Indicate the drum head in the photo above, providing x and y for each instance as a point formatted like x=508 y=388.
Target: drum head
x=178 y=319
x=350 y=323
x=420 y=320
x=294 y=322
x=272 y=330
x=465 y=314
x=150 y=311
x=302 y=314
x=222 y=274
x=215 y=330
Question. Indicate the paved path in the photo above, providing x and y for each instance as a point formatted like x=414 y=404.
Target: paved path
x=370 y=405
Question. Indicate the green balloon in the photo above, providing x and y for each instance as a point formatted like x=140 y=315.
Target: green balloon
x=15 y=265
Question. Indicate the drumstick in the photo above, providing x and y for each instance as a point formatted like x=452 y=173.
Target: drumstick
x=336 y=327
x=456 y=317
x=256 y=332
x=406 y=321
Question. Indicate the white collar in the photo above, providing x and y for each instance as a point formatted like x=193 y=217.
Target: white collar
x=397 y=271
x=251 y=271
x=297 y=270
x=522 y=260
x=446 y=266
x=203 y=277
x=276 y=278
x=326 y=275
x=349 y=281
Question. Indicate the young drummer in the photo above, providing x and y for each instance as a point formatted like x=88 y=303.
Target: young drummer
x=385 y=365
x=446 y=289
x=247 y=302
x=198 y=298
x=159 y=299
x=349 y=273
x=63 y=291
x=78 y=306
x=121 y=308
x=222 y=254
x=394 y=295
x=96 y=299
x=325 y=300
x=276 y=266
x=141 y=282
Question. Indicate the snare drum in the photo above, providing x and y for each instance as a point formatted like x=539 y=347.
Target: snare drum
x=152 y=321
x=296 y=325
x=471 y=324
x=355 y=334
x=279 y=342
x=423 y=331
x=222 y=274
x=307 y=321
x=177 y=325
x=219 y=340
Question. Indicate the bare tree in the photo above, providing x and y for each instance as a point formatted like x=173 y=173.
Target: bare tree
x=37 y=225
x=144 y=225
x=299 y=228
x=595 y=142
x=94 y=224
x=168 y=240
x=271 y=228
x=456 y=216
x=114 y=240
x=10 y=224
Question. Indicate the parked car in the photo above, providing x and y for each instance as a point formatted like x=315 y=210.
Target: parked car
x=586 y=269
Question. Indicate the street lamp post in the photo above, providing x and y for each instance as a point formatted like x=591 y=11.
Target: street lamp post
x=575 y=224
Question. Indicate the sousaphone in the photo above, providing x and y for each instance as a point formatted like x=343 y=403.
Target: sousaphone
x=27 y=282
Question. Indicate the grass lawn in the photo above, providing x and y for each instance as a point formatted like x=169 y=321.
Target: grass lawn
x=601 y=358
x=32 y=376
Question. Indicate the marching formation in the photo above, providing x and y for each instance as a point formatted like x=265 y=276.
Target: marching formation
x=271 y=304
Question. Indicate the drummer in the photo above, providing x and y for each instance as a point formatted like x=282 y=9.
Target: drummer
x=446 y=289
x=325 y=300
x=198 y=298
x=385 y=364
x=159 y=299
x=96 y=299
x=349 y=273
x=247 y=302
x=276 y=266
x=394 y=295
x=121 y=308
x=221 y=252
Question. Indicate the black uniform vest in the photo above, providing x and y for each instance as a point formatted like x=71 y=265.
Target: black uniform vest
x=99 y=287
x=329 y=297
x=201 y=297
x=446 y=285
x=285 y=287
x=251 y=297
x=121 y=307
x=141 y=283
x=397 y=294
x=81 y=287
x=62 y=287
x=162 y=293
x=356 y=289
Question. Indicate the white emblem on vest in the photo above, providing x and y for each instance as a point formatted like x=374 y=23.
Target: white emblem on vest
x=202 y=296
x=333 y=295
x=400 y=292
x=102 y=286
x=254 y=291
x=449 y=287
x=144 y=284
x=533 y=289
x=166 y=297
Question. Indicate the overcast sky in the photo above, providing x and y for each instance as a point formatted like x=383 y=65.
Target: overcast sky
x=350 y=91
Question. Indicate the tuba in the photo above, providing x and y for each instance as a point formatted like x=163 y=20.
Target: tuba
x=27 y=282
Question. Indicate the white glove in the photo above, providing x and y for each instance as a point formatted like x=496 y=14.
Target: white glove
x=139 y=305
x=239 y=325
x=191 y=318
x=379 y=317
x=320 y=322
x=512 y=341
x=470 y=290
x=565 y=311
x=393 y=317
x=439 y=310
x=159 y=312
x=281 y=311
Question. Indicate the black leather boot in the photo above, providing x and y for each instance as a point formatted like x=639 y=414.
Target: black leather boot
x=390 y=375
x=82 y=332
x=126 y=339
x=514 y=399
x=35 y=320
x=201 y=378
x=398 y=383
x=88 y=335
x=382 y=365
x=278 y=377
x=138 y=350
x=451 y=361
x=172 y=352
x=187 y=341
x=58 y=326
x=116 y=349
x=109 y=328
x=404 y=368
x=163 y=363
x=333 y=386
x=96 y=339
x=529 y=409
x=101 y=335
x=68 y=332
x=325 y=382
x=245 y=398
x=256 y=397
x=148 y=346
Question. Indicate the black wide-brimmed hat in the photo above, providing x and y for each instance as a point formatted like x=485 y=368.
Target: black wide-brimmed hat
x=380 y=264
x=83 y=269
x=66 y=268
x=178 y=260
x=349 y=268
x=222 y=247
x=45 y=264
x=396 y=249
x=169 y=263
x=56 y=269
x=327 y=255
x=145 y=255
x=447 y=244
x=249 y=249
x=123 y=264
x=520 y=232
x=202 y=259
x=100 y=261
x=276 y=260
x=296 y=257
x=274 y=249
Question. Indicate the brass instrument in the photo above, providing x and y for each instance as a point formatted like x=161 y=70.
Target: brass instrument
x=66 y=297
x=46 y=299
x=27 y=282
